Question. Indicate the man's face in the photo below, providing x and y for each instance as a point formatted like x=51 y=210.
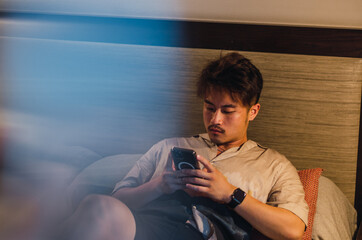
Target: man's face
x=226 y=120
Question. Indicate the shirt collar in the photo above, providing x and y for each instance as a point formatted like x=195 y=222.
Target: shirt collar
x=245 y=147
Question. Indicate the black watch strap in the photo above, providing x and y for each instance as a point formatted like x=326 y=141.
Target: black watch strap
x=237 y=198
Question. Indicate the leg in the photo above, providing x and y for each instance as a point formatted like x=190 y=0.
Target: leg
x=101 y=217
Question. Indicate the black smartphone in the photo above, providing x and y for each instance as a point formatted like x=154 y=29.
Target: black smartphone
x=184 y=158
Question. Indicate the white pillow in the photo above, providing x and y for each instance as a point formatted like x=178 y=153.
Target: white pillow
x=335 y=217
x=100 y=177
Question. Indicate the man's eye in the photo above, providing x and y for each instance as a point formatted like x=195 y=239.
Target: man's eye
x=228 y=111
x=210 y=109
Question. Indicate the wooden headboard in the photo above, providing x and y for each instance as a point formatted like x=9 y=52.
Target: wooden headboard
x=311 y=102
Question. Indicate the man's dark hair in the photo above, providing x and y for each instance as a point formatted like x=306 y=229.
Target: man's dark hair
x=232 y=73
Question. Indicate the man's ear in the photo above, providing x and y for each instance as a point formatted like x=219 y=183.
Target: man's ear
x=254 y=110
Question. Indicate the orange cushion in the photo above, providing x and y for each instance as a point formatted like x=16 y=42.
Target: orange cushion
x=310 y=180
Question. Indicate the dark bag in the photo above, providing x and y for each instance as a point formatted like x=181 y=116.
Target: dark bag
x=177 y=207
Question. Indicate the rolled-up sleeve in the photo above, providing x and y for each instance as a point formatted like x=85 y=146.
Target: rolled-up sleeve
x=142 y=171
x=288 y=192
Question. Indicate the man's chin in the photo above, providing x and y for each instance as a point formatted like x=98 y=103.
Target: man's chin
x=216 y=138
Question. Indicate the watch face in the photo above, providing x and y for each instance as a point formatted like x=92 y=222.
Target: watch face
x=237 y=197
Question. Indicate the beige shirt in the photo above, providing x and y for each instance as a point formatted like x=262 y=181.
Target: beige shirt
x=261 y=172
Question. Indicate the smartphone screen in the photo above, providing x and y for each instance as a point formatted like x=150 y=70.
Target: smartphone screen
x=184 y=158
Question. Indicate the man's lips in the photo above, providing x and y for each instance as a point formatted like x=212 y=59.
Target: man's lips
x=215 y=129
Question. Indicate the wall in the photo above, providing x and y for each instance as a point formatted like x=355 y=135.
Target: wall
x=329 y=13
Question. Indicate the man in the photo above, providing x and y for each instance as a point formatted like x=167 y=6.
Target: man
x=240 y=181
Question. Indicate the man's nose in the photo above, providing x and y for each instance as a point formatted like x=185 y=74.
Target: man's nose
x=217 y=117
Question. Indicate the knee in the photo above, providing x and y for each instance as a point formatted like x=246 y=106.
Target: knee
x=110 y=214
x=101 y=203
x=107 y=206
x=94 y=199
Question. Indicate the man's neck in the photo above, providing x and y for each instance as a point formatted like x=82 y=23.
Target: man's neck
x=223 y=147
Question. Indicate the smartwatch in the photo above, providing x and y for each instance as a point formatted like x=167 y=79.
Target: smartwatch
x=237 y=198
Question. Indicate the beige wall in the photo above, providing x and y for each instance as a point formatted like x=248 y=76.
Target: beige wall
x=330 y=13
x=347 y=13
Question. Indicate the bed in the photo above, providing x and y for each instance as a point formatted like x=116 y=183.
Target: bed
x=140 y=75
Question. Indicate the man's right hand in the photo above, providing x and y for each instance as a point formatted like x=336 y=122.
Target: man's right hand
x=170 y=181
x=167 y=183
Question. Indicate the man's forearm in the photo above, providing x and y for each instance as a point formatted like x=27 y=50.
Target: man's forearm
x=167 y=183
x=276 y=223
x=141 y=195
